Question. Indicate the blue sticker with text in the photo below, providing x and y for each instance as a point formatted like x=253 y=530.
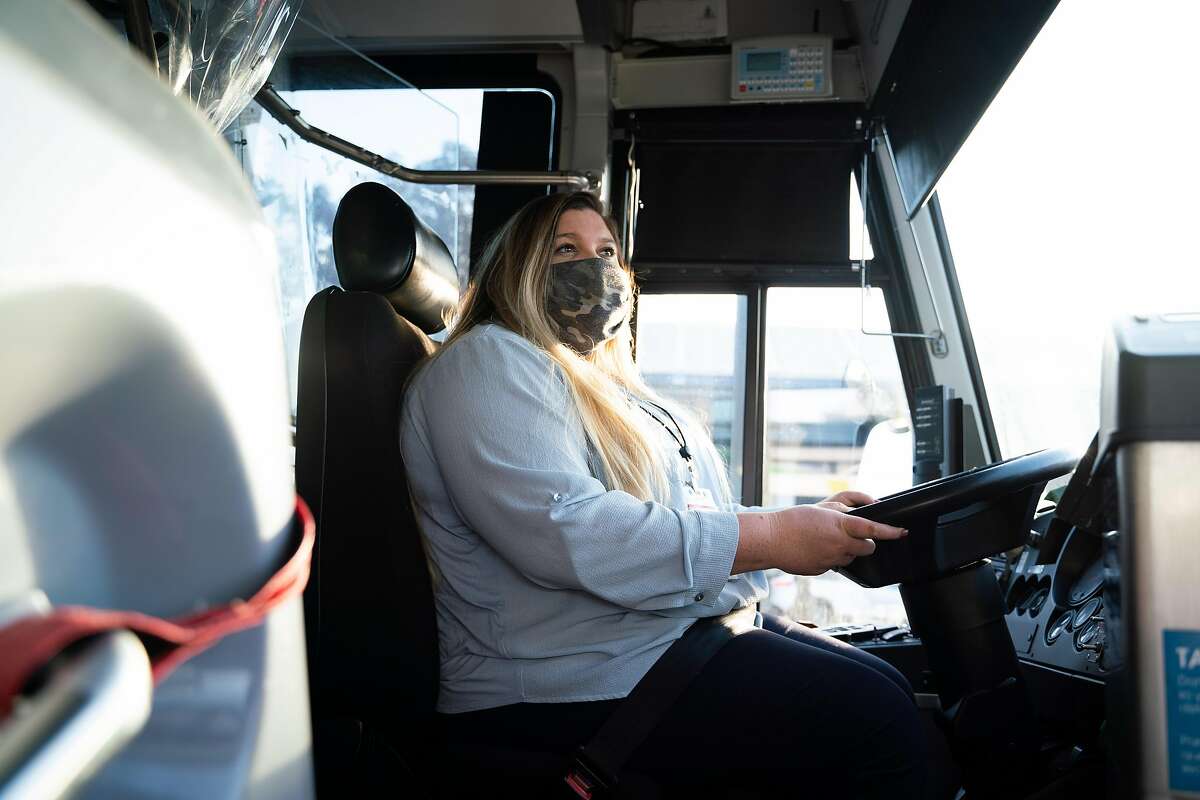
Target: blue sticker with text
x=1181 y=662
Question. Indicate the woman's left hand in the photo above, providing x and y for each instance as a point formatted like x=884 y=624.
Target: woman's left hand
x=844 y=501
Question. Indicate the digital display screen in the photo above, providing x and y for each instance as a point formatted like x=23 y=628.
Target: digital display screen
x=764 y=62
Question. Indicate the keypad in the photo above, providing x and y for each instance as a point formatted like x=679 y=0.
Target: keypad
x=802 y=72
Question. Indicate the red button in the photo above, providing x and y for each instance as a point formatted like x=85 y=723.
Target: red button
x=742 y=87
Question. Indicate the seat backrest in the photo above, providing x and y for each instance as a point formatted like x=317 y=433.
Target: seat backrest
x=369 y=607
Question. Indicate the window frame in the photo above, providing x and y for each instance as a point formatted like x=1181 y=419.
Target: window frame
x=500 y=147
x=494 y=71
x=968 y=340
x=753 y=281
x=754 y=320
x=915 y=366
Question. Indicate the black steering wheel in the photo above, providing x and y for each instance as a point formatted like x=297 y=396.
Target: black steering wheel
x=957 y=520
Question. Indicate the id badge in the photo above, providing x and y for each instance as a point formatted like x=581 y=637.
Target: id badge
x=700 y=500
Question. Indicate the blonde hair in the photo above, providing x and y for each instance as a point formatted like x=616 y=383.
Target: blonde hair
x=511 y=286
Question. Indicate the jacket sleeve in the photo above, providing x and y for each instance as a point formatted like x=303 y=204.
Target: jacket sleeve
x=514 y=460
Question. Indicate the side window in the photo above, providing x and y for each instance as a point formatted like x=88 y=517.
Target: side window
x=833 y=396
x=691 y=349
x=828 y=387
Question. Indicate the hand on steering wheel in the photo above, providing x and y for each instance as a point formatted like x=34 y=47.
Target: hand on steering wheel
x=845 y=500
x=811 y=540
x=956 y=520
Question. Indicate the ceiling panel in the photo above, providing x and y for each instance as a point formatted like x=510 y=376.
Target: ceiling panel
x=428 y=23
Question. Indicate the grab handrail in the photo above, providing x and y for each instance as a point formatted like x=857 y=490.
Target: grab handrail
x=278 y=108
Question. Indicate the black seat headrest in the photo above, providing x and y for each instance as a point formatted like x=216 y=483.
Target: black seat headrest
x=380 y=245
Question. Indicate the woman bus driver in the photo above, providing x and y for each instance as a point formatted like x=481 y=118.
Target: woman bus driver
x=577 y=526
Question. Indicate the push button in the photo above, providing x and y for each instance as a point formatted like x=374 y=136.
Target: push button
x=699 y=597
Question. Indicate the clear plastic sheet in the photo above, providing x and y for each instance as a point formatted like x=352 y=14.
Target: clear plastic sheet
x=220 y=52
x=300 y=185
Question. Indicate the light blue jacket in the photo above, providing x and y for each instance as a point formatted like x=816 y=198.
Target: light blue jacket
x=549 y=587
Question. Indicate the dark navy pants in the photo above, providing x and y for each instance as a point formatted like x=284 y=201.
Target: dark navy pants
x=782 y=711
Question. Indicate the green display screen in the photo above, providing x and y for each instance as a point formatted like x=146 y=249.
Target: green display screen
x=764 y=62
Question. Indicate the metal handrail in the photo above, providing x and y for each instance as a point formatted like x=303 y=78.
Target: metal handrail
x=937 y=338
x=278 y=108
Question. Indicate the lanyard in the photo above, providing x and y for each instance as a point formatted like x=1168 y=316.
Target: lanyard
x=677 y=435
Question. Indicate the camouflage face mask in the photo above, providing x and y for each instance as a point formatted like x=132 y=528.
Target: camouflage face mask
x=589 y=299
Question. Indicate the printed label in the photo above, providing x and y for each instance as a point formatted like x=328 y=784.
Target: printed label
x=1181 y=663
x=701 y=500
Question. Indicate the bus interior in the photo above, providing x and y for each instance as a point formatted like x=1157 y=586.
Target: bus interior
x=932 y=250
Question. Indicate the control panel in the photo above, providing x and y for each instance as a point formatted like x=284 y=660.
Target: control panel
x=782 y=68
x=1056 y=611
x=937 y=434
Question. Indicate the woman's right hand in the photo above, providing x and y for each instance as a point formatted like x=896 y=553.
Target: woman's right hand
x=806 y=540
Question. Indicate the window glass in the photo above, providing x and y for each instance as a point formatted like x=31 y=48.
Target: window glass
x=467 y=105
x=300 y=185
x=691 y=349
x=830 y=388
x=1073 y=202
x=860 y=238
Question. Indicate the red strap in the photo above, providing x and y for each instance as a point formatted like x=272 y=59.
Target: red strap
x=30 y=642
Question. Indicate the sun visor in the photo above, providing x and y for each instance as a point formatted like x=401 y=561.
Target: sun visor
x=950 y=60
x=220 y=52
x=713 y=203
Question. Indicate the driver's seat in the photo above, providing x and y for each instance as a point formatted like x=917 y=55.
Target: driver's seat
x=372 y=638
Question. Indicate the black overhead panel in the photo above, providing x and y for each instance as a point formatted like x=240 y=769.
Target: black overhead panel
x=756 y=185
x=457 y=71
x=767 y=203
x=950 y=60
x=792 y=123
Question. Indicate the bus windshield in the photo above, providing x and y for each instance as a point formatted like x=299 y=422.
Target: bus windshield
x=1070 y=204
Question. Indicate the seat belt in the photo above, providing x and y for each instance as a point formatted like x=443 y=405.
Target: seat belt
x=28 y=644
x=597 y=765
